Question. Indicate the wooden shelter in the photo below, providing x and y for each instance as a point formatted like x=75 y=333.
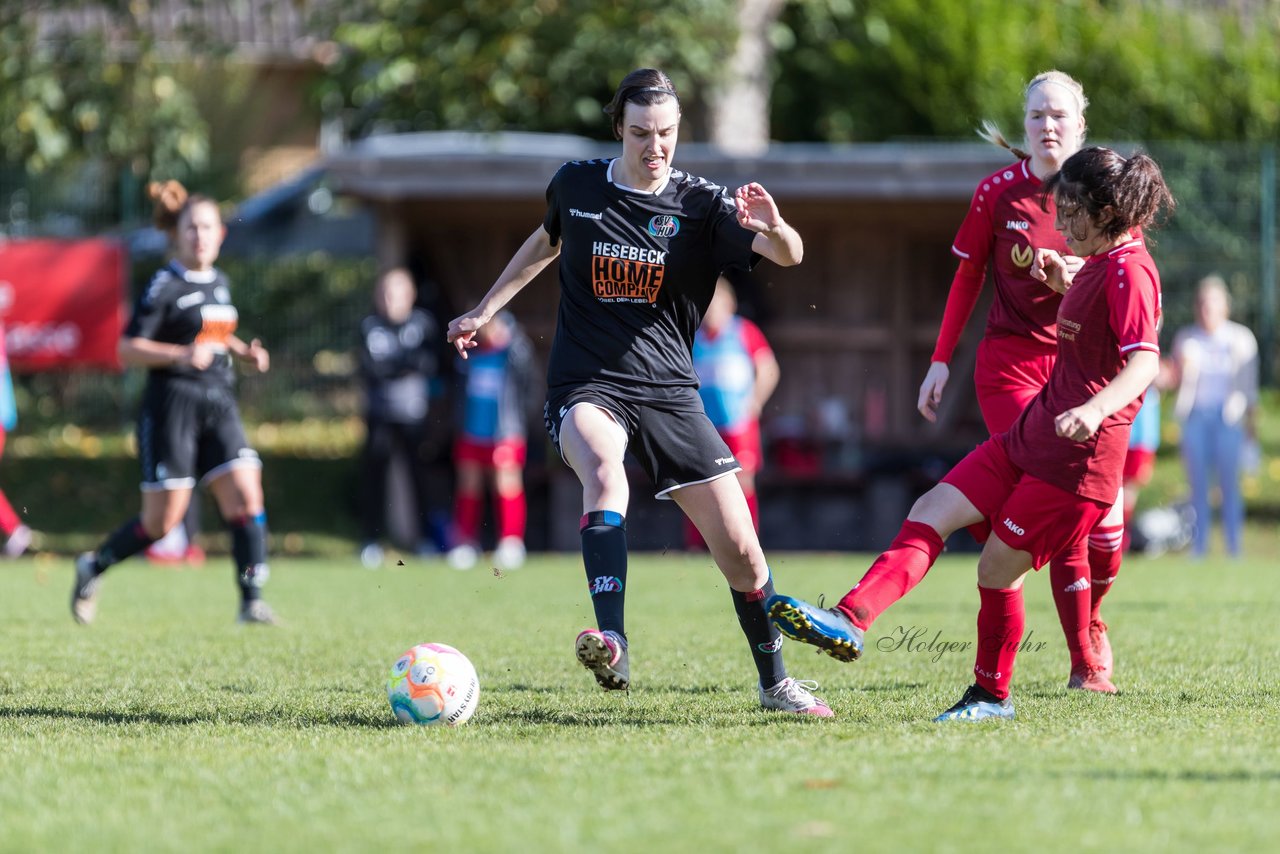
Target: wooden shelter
x=853 y=326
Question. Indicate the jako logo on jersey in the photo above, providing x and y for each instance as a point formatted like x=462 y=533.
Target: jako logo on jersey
x=664 y=226
x=770 y=647
x=1008 y=523
x=606 y=584
x=1022 y=256
x=585 y=214
x=626 y=273
x=1017 y=225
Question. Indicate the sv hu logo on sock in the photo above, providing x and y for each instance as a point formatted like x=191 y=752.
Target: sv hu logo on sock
x=772 y=646
x=606 y=584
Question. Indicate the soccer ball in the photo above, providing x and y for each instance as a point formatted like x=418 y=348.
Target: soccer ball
x=433 y=684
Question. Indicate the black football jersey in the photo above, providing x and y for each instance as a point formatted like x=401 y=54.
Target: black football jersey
x=637 y=271
x=398 y=362
x=182 y=306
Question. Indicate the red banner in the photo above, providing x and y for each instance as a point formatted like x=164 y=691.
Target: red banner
x=62 y=302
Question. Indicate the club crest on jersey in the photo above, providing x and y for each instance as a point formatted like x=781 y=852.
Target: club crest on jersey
x=1022 y=256
x=664 y=226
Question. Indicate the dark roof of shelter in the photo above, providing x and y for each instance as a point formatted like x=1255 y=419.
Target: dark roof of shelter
x=252 y=29
x=518 y=165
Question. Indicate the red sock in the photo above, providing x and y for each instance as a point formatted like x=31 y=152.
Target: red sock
x=511 y=515
x=753 y=504
x=1104 y=562
x=893 y=574
x=9 y=520
x=1069 y=578
x=466 y=518
x=1001 y=620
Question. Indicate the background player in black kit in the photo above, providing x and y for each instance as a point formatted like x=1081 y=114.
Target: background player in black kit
x=641 y=246
x=183 y=332
x=397 y=362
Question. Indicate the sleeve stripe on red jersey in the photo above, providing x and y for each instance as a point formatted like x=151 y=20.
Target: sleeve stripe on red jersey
x=1141 y=345
x=955 y=251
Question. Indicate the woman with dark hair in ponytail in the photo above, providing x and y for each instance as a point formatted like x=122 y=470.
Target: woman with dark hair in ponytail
x=641 y=245
x=189 y=430
x=1005 y=225
x=1046 y=482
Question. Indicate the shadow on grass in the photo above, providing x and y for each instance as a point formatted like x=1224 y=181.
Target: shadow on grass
x=732 y=717
x=264 y=717
x=1162 y=775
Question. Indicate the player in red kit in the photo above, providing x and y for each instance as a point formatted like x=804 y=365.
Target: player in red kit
x=1046 y=482
x=1005 y=225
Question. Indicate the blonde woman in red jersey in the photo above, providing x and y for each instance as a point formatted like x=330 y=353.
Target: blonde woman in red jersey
x=1004 y=227
x=1046 y=482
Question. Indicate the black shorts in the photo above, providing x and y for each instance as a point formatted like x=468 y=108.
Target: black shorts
x=188 y=432
x=673 y=440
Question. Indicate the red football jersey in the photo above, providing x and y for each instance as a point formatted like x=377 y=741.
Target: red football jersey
x=1005 y=225
x=1111 y=310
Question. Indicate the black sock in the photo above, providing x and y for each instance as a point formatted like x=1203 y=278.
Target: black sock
x=125 y=542
x=249 y=553
x=762 y=634
x=604 y=554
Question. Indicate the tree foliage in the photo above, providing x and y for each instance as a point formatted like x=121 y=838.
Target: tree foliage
x=490 y=65
x=882 y=69
x=71 y=96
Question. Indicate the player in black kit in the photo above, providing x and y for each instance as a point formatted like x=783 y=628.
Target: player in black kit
x=641 y=245
x=183 y=332
x=398 y=345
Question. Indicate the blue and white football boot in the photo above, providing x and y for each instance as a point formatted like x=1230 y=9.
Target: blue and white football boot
x=978 y=704
x=826 y=628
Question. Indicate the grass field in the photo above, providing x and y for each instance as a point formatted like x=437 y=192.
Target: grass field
x=165 y=727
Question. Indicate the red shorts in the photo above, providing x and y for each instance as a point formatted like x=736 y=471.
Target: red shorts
x=1009 y=372
x=1026 y=513
x=505 y=453
x=1139 y=465
x=744 y=444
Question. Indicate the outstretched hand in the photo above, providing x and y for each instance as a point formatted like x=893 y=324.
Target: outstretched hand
x=462 y=330
x=756 y=209
x=257 y=356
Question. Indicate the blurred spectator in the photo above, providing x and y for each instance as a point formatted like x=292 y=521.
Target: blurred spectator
x=491 y=445
x=737 y=373
x=397 y=363
x=1140 y=461
x=1216 y=367
x=17 y=535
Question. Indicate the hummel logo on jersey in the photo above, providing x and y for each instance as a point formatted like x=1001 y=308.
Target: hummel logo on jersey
x=1076 y=586
x=723 y=461
x=1017 y=225
x=585 y=214
x=189 y=300
x=1008 y=523
x=606 y=584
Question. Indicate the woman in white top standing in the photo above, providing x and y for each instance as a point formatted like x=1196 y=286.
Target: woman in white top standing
x=1217 y=369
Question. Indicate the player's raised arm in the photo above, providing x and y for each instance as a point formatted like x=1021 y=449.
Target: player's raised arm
x=530 y=259
x=775 y=240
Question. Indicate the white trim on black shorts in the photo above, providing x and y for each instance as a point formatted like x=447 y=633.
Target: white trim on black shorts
x=665 y=495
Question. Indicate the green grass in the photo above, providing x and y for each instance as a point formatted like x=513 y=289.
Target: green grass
x=164 y=727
